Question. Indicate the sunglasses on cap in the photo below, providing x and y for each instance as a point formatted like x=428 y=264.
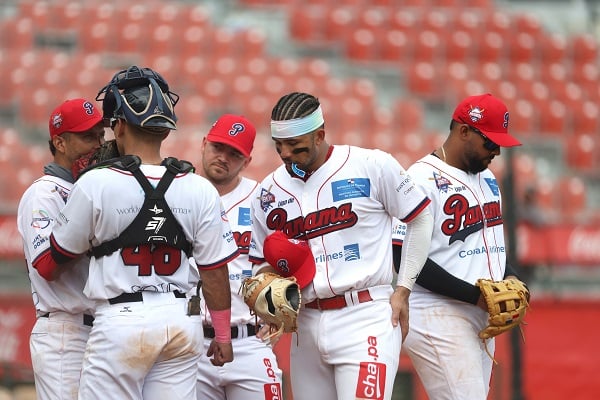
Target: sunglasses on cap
x=487 y=144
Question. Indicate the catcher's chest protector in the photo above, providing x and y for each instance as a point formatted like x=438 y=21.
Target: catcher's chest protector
x=155 y=222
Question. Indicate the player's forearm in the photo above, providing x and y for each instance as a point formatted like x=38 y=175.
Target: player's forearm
x=436 y=279
x=215 y=288
x=416 y=248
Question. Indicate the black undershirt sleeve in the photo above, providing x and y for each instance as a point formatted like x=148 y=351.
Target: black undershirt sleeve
x=438 y=280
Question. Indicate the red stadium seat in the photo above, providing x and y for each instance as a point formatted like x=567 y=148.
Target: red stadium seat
x=552 y=48
x=428 y=47
x=491 y=47
x=498 y=22
x=522 y=48
x=17 y=33
x=306 y=23
x=586 y=118
x=395 y=46
x=405 y=20
x=572 y=198
x=582 y=152
x=340 y=23
x=409 y=115
x=460 y=46
x=554 y=117
x=422 y=79
x=523 y=118
x=361 y=45
x=584 y=48
x=252 y=42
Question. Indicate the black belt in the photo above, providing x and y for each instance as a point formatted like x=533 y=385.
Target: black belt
x=88 y=320
x=209 y=331
x=137 y=297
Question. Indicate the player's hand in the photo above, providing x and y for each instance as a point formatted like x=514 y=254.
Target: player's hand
x=263 y=332
x=221 y=353
x=399 y=302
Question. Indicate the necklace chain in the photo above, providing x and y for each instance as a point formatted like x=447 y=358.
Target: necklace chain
x=443 y=153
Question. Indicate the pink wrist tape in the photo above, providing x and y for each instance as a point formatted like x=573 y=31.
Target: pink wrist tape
x=221 y=321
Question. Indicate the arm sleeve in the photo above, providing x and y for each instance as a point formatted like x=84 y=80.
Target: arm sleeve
x=416 y=244
x=438 y=280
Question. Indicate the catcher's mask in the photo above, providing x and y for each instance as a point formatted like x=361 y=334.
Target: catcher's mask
x=141 y=97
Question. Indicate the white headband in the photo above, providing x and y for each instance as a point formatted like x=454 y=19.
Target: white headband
x=297 y=127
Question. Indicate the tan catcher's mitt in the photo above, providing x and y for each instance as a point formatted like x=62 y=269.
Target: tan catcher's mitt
x=275 y=300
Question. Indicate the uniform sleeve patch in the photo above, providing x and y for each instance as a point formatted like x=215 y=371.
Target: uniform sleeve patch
x=351 y=188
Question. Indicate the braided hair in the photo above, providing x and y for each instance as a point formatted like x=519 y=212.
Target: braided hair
x=294 y=105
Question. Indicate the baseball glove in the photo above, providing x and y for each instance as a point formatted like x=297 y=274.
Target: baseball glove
x=105 y=152
x=507 y=302
x=275 y=300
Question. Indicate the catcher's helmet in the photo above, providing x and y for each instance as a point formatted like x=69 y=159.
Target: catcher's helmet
x=141 y=97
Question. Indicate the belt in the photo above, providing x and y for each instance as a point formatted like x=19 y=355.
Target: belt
x=88 y=320
x=137 y=297
x=337 y=302
x=209 y=331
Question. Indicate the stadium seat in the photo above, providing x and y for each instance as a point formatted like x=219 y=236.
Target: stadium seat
x=491 y=47
x=522 y=48
x=523 y=118
x=460 y=46
x=585 y=118
x=408 y=114
x=395 y=46
x=583 y=48
x=361 y=45
x=252 y=43
x=554 y=118
x=497 y=21
x=405 y=20
x=429 y=47
x=17 y=33
x=552 y=48
x=582 y=152
x=36 y=11
x=572 y=198
x=422 y=79
x=193 y=41
x=340 y=23
x=306 y=23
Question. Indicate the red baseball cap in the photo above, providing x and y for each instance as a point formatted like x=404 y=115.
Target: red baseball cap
x=235 y=131
x=290 y=257
x=488 y=114
x=76 y=115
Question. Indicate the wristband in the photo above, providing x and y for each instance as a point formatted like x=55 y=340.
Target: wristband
x=221 y=321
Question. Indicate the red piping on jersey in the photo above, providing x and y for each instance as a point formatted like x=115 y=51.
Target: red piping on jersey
x=424 y=203
x=221 y=262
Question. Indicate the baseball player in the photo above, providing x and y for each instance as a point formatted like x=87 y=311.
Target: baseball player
x=64 y=314
x=254 y=374
x=142 y=217
x=446 y=308
x=341 y=199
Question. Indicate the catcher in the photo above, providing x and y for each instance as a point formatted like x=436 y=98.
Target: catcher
x=466 y=293
x=275 y=297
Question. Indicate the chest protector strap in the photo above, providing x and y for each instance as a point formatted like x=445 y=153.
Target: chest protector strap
x=155 y=222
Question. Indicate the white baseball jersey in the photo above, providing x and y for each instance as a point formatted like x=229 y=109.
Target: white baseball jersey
x=60 y=304
x=468 y=242
x=98 y=213
x=38 y=209
x=237 y=207
x=468 y=238
x=354 y=195
x=254 y=372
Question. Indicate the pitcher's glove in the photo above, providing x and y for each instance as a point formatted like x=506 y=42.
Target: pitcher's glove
x=275 y=300
x=507 y=301
x=105 y=152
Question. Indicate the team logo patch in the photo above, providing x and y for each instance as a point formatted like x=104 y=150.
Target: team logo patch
x=351 y=188
x=371 y=381
x=244 y=216
x=493 y=185
x=441 y=182
x=476 y=113
x=351 y=252
x=57 y=120
x=266 y=199
x=236 y=128
x=40 y=219
x=62 y=193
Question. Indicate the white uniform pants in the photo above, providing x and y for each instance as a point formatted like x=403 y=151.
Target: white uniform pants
x=253 y=374
x=142 y=350
x=57 y=344
x=345 y=354
x=446 y=352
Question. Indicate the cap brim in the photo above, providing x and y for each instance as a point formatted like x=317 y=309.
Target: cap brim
x=502 y=139
x=232 y=143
